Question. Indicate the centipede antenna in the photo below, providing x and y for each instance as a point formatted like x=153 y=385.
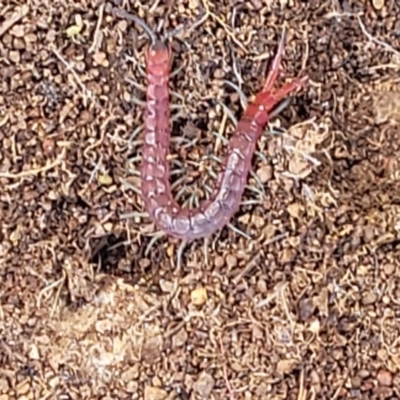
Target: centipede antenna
x=185 y=26
x=124 y=14
x=174 y=32
x=179 y=254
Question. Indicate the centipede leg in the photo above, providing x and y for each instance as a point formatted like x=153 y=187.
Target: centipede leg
x=138 y=86
x=153 y=240
x=142 y=71
x=238 y=231
x=205 y=251
x=176 y=71
x=280 y=107
x=179 y=254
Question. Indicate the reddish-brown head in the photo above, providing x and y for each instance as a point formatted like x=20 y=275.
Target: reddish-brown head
x=158 y=58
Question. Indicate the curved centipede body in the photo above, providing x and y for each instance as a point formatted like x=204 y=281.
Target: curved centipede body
x=215 y=213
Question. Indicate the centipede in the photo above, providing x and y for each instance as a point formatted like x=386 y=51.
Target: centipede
x=216 y=211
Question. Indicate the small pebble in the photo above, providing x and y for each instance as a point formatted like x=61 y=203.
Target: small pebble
x=154 y=393
x=369 y=298
x=231 y=261
x=219 y=262
x=389 y=269
x=198 y=296
x=306 y=309
x=264 y=173
x=204 y=385
x=378 y=4
x=384 y=378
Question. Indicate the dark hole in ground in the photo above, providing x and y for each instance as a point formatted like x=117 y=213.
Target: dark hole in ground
x=107 y=251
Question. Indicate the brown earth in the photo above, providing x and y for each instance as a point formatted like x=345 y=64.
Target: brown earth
x=297 y=299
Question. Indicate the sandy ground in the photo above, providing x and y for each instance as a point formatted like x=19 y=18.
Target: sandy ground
x=296 y=299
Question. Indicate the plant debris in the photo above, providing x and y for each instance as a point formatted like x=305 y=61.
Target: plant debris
x=296 y=299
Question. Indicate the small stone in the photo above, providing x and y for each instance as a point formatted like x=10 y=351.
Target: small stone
x=4 y=386
x=48 y=146
x=285 y=366
x=144 y=263
x=256 y=4
x=315 y=326
x=262 y=286
x=389 y=269
x=198 y=296
x=231 y=261
x=23 y=388
x=100 y=58
x=51 y=35
x=193 y=4
x=288 y=255
x=132 y=386
x=14 y=56
x=258 y=333
x=378 y=4
x=156 y=381
x=369 y=298
x=167 y=286
x=306 y=309
x=151 y=350
x=54 y=382
x=170 y=250
x=382 y=355
x=204 y=385
x=130 y=374
x=337 y=354
x=384 y=378
x=363 y=373
x=264 y=173
x=34 y=353
x=17 y=31
x=219 y=73
x=105 y=179
x=30 y=37
x=180 y=338
x=355 y=382
x=219 y=262
x=258 y=221
x=154 y=393
x=19 y=44
x=314 y=377
x=295 y=210
x=108 y=226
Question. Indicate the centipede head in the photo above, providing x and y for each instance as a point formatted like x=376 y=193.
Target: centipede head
x=158 y=57
x=158 y=53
